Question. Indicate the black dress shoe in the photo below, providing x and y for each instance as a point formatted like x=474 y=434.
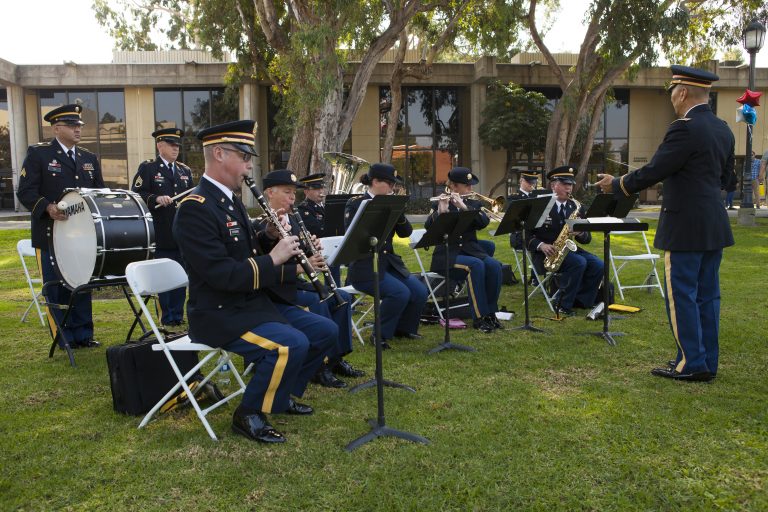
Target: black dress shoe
x=87 y=343
x=670 y=373
x=408 y=335
x=298 y=409
x=482 y=324
x=495 y=321
x=672 y=363
x=325 y=378
x=564 y=313
x=256 y=427
x=384 y=344
x=345 y=369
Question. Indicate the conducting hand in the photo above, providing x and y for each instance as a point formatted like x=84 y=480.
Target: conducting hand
x=285 y=249
x=605 y=183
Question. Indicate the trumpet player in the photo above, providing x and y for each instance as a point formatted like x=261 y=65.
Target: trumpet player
x=483 y=273
x=580 y=274
x=280 y=190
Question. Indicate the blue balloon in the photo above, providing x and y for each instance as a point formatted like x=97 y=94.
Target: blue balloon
x=750 y=115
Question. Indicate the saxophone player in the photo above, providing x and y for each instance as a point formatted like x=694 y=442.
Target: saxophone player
x=580 y=274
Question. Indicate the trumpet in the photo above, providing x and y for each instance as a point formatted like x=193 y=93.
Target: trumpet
x=495 y=206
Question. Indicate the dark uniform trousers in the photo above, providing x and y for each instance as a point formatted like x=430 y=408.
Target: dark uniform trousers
x=47 y=171
x=153 y=179
x=472 y=258
x=403 y=296
x=341 y=317
x=580 y=274
x=228 y=306
x=695 y=160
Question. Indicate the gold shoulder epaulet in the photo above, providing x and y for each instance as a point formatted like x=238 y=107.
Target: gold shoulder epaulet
x=149 y=160
x=183 y=165
x=41 y=144
x=80 y=148
x=681 y=119
x=193 y=197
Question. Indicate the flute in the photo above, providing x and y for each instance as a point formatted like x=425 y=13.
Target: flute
x=302 y=257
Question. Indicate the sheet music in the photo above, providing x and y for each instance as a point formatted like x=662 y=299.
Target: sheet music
x=602 y=220
x=332 y=258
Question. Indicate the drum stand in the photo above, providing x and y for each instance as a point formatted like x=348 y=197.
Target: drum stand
x=94 y=284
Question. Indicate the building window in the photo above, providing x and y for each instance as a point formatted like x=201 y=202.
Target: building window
x=104 y=130
x=192 y=110
x=427 y=139
x=610 y=149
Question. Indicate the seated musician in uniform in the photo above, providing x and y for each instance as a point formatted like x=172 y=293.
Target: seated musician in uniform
x=483 y=273
x=229 y=271
x=526 y=189
x=403 y=296
x=280 y=191
x=312 y=210
x=581 y=272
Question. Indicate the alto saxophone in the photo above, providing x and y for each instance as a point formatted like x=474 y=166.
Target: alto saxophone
x=563 y=244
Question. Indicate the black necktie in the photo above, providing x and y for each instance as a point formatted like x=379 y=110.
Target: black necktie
x=172 y=168
x=71 y=156
x=562 y=212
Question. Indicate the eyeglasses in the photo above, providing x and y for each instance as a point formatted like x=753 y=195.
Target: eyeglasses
x=245 y=156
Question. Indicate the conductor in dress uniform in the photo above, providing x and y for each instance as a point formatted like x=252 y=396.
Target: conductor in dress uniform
x=581 y=272
x=157 y=181
x=483 y=273
x=403 y=297
x=49 y=169
x=229 y=271
x=693 y=162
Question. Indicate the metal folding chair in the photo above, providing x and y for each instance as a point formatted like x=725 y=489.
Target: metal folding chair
x=161 y=275
x=25 y=250
x=651 y=280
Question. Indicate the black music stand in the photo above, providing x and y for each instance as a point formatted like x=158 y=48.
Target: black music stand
x=91 y=285
x=365 y=236
x=333 y=223
x=606 y=224
x=446 y=230
x=519 y=214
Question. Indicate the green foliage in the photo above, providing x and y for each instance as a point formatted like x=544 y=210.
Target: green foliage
x=514 y=119
x=555 y=421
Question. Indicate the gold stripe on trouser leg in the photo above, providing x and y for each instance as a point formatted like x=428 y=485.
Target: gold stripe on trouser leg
x=471 y=287
x=671 y=300
x=277 y=373
x=48 y=314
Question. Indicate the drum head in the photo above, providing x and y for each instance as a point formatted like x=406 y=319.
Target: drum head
x=74 y=242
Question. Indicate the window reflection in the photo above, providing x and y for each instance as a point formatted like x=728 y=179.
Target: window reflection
x=427 y=139
x=104 y=130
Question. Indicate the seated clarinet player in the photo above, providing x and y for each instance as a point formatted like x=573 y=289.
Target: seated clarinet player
x=579 y=272
x=403 y=296
x=280 y=191
x=229 y=273
x=483 y=273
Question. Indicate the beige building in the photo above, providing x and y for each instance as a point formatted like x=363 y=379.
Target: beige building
x=140 y=91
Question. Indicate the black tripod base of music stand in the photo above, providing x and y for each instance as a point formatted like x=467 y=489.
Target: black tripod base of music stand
x=447 y=345
x=372 y=383
x=378 y=430
x=607 y=336
x=529 y=327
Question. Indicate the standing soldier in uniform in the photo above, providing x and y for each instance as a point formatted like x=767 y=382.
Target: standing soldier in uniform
x=157 y=181
x=693 y=162
x=49 y=169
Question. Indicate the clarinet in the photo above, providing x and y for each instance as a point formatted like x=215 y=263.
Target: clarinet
x=301 y=257
x=306 y=238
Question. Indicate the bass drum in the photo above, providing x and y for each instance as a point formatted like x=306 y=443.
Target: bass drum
x=105 y=230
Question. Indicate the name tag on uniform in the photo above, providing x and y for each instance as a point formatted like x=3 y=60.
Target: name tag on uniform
x=234 y=232
x=54 y=167
x=159 y=178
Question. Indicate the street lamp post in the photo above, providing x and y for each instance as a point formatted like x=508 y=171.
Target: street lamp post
x=753 y=39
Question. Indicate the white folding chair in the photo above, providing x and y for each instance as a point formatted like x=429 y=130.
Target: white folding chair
x=652 y=279
x=161 y=275
x=330 y=244
x=25 y=250
x=542 y=283
x=428 y=277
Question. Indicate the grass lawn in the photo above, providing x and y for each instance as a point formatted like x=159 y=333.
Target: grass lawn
x=528 y=422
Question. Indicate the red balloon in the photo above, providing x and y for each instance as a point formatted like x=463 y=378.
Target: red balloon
x=750 y=98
